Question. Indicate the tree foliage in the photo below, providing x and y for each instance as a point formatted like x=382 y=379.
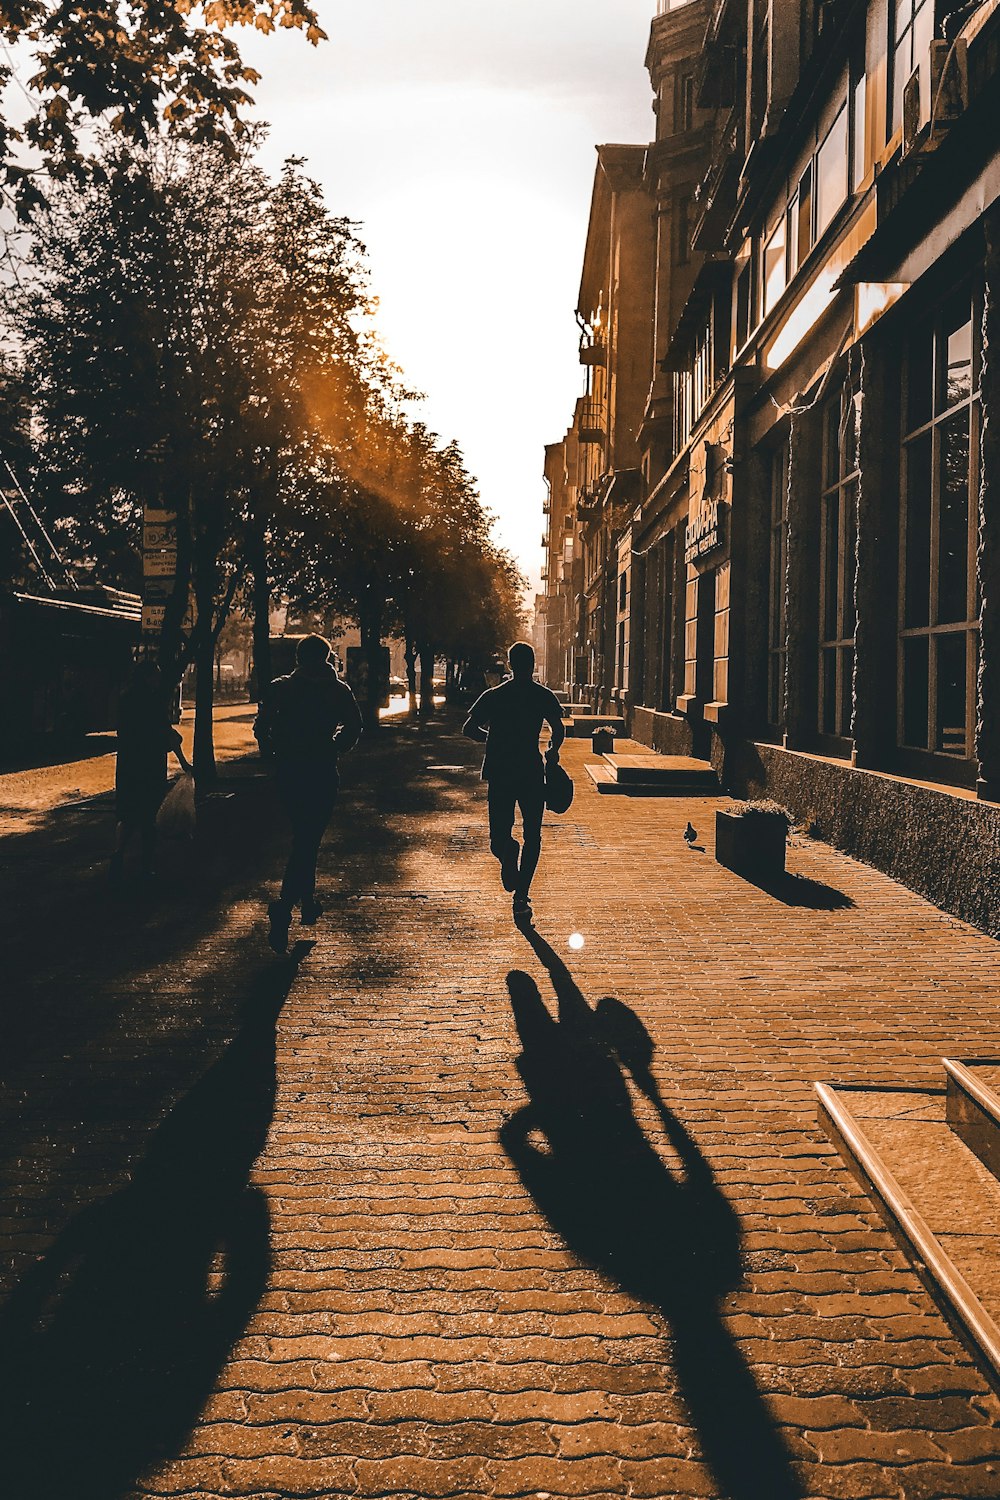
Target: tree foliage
x=200 y=336
x=135 y=66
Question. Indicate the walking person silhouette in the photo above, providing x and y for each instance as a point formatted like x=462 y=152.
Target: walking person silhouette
x=305 y=722
x=509 y=719
x=145 y=738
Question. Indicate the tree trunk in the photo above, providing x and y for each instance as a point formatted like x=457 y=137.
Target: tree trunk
x=426 y=681
x=370 y=622
x=410 y=656
x=204 y=702
x=206 y=572
x=261 y=597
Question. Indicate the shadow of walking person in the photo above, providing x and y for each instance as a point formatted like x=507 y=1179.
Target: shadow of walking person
x=665 y=1234
x=114 y=1339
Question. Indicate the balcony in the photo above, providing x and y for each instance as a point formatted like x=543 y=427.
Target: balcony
x=715 y=195
x=590 y=425
x=594 y=353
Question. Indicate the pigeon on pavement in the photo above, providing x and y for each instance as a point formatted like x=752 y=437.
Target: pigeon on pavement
x=690 y=834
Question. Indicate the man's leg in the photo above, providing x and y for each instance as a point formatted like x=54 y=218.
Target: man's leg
x=501 y=797
x=531 y=800
x=321 y=811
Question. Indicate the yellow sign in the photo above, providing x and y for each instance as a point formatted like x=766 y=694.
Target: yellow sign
x=153 y=616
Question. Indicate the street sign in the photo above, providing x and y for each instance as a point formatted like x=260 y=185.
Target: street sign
x=153 y=616
x=157 y=589
x=159 y=534
x=159 y=564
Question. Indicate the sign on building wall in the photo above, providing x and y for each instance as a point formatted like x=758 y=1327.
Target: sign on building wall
x=705 y=532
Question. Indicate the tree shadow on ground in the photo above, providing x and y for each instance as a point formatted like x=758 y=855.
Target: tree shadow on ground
x=666 y=1235
x=114 y=1339
x=801 y=890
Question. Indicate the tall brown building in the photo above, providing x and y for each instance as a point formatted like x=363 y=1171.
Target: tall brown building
x=799 y=551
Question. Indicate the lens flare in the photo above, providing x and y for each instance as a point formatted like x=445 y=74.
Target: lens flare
x=575 y=940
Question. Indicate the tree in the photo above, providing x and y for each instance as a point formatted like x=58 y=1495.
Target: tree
x=197 y=333
x=134 y=66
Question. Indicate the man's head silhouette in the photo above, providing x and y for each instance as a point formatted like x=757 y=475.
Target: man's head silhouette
x=312 y=652
x=522 y=659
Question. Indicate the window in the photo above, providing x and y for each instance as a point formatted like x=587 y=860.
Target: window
x=831 y=172
x=939 y=603
x=683 y=417
x=683 y=231
x=838 y=544
x=859 y=150
x=684 y=103
x=800 y=226
x=774 y=266
x=776 y=587
x=702 y=371
x=913 y=30
x=744 y=302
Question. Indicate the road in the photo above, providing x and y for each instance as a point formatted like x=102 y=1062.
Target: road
x=26 y=796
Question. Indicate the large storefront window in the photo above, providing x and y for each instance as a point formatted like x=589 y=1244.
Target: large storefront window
x=838 y=546
x=939 y=605
x=776 y=635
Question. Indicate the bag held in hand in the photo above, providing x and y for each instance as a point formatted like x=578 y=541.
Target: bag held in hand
x=176 y=817
x=558 y=787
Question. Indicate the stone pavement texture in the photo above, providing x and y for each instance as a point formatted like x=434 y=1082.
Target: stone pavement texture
x=432 y=1209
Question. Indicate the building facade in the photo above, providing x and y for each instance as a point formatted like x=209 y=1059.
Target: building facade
x=804 y=574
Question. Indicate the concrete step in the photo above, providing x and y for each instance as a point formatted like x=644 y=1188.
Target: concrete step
x=938 y=1198
x=581 y=726
x=973 y=1107
x=673 y=773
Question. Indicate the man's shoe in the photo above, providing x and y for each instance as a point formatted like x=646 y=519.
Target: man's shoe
x=311 y=913
x=280 y=916
x=522 y=911
x=508 y=871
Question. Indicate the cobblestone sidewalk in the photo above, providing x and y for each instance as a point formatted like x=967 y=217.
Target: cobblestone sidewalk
x=432 y=1209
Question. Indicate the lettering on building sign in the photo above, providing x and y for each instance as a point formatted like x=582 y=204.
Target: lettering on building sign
x=704 y=533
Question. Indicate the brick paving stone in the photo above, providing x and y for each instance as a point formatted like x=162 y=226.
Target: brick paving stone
x=389 y=1300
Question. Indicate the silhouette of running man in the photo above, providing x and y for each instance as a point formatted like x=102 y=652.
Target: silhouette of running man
x=305 y=722
x=509 y=719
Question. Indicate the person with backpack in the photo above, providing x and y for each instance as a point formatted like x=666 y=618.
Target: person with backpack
x=306 y=721
x=509 y=719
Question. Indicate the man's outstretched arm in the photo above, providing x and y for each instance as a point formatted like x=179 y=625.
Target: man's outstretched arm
x=351 y=723
x=476 y=725
x=554 y=719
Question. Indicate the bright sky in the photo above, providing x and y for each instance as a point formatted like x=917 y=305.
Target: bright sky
x=462 y=136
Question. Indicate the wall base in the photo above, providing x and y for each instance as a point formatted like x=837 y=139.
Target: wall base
x=943 y=845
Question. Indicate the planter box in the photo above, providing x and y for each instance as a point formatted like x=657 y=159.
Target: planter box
x=602 y=742
x=751 y=843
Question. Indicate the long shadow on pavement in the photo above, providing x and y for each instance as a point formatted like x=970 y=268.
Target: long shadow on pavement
x=669 y=1238
x=113 y=1340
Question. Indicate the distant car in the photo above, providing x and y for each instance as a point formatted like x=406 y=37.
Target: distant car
x=437 y=683
x=397 y=685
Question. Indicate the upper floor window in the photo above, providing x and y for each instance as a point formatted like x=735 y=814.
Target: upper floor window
x=831 y=172
x=912 y=32
x=824 y=185
x=775 y=265
x=684 y=102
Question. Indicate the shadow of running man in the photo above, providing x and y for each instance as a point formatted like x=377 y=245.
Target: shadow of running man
x=668 y=1237
x=114 y=1339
